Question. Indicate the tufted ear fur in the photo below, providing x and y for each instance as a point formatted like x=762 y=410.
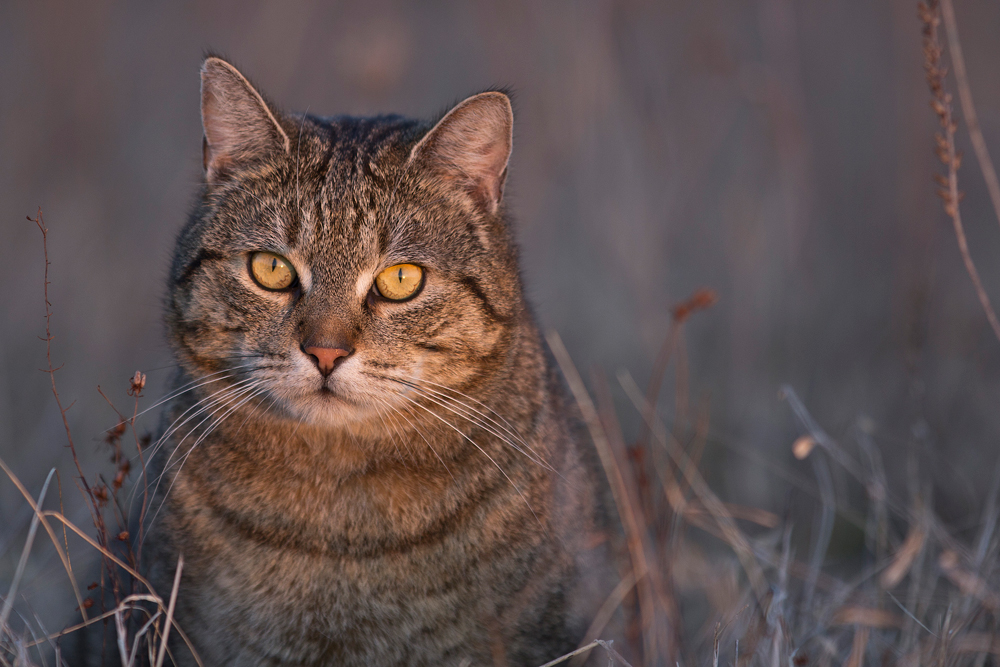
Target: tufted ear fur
x=239 y=125
x=470 y=146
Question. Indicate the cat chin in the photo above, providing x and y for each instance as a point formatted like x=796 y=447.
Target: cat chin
x=325 y=409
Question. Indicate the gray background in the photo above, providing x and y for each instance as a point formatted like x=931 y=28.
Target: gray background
x=778 y=152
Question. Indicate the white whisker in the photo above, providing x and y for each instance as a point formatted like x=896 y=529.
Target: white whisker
x=509 y=427
x=477 y=418
x=481 y=450
x=183 y=389
x=199 y=407
x=422 y=437
x=391 y=438
x=243 y=396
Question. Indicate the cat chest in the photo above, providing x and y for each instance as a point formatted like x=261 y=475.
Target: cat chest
x=440 y=598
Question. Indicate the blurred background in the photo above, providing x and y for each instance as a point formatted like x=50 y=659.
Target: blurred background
x=777 y=152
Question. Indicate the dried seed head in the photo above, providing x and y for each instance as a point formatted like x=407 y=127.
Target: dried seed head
x=118 y=431
x=138 y=381
x=101 y=493
x=701 y=299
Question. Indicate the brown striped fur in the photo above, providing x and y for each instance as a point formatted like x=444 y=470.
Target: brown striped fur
x=428 y=504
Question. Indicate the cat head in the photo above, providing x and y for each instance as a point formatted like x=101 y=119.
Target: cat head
x=338 y=268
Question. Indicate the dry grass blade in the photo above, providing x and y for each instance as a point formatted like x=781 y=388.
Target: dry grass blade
x=94 y=619
x=752 y=514
x=608 y=646
x=669 y=637
x=867 y=616
x=40 y=223
x=700 y=300
x=104 y=552
x=977 y=642
x=711 y=502
x=857 y=657
x=626 y=511
x=966 y=581
x=8 y=604
x=52 y=535
x=170 y=611
x=904 y=558
x=572 y=654
x=607 y=609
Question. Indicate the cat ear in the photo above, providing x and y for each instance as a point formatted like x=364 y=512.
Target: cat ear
x=471 y=146
x=238 y=123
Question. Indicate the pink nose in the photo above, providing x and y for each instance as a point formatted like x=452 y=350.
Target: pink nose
x=326 y=357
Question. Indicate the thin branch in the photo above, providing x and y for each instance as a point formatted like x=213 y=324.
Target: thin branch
x=40 y=223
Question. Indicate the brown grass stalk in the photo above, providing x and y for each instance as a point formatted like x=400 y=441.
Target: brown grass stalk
x=626 y=510
x=709 y=500
x=52 y=535
x=968 y=108
x=930 y=15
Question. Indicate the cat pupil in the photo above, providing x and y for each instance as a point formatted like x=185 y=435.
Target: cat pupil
x=274 y=264
x=400 y=274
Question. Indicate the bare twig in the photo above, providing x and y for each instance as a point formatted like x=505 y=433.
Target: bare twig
x=40 y=223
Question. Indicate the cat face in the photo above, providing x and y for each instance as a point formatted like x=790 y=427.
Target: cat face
x=336 y=270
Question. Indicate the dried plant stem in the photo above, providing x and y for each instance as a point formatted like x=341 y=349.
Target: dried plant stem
x=968 y=108
x=619 y=492
x=40 y=222
x=12 y=592
x=701 y=299
x=930 y=14
x=93 y=503
x=607 y=609
x=52 y=535
x=170 y=611
x=613 y=655
x=709 y=500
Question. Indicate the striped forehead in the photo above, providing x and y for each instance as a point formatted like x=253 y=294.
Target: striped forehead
x=345 y=216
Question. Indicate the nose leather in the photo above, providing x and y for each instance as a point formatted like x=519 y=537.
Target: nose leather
x=325 y=358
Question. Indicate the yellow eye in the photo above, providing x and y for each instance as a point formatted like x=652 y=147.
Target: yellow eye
x=271 y=271
x=400 y=282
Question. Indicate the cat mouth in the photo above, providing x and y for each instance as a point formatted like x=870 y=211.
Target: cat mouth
x=328 y=393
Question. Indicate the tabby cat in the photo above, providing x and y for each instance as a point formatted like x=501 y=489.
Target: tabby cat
x=373 y=462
